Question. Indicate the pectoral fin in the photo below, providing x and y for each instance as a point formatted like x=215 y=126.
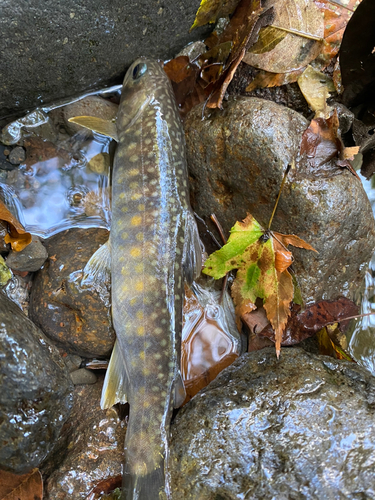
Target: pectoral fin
x=99 y=125
x=179 y=391
x=192 y=253
x=116 y=381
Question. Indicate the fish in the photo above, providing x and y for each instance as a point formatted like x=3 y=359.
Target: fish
x=153 y=249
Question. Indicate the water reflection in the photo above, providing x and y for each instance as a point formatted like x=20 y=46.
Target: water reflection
x=362 y=338
x=60 y=184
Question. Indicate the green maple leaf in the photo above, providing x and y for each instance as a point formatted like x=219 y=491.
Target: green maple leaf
x=262 y=259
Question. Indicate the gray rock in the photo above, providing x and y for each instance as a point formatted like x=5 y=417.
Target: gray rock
x=35 y=396
x=31 y=258
x=300 y=427
x=236 y=160
x=77 y=318
x=77 y=45
x=88 y=106
x=72 y=362
x=17 y=155
x=83 y=377
x=90 y=448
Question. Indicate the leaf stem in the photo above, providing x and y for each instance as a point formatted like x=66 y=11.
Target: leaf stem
x=215 y=220
x=296 y=32
x=278 y=196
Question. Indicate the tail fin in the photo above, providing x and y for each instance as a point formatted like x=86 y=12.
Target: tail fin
x=149 y=487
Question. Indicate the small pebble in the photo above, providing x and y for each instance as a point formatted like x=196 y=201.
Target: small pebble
x=31 y=258
x=99 y=163
x=17 y=155
x=83 y=377
x=72 y=362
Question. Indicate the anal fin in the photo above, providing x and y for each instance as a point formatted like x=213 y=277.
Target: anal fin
x=179 y=391
x=192 y=253
x=116 y=381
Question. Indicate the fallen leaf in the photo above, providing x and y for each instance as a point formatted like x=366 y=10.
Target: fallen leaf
x=294 y=39
x=243 y=29
x=17 y=236
x=183 y=75
x=329 y=347
x=5 y=273
x=305 y=324
x=316 y=87
x=211 y=10
x=336 y=14
x=104 y=487
x=21 y=487
x=252 y=251
x=266 y=79
x=348 y=153
x=320 y=143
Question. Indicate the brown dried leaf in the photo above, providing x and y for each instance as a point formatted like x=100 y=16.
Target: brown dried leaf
x=283 y=258
x=17 y=236
x=290 y=51
x=266 y=79
x=178 y=69
x=292 y=239
x=305 y=324
x=320 y=142
x=183 y=75
x=242 y=31
x=336 y=18
x=277 y=306
x=21 y=487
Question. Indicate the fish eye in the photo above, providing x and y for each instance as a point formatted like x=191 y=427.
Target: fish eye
x=139 y=70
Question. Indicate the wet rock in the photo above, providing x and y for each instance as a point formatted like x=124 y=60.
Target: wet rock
x=17 y=155
x=72 y=361
x=83 y=377
x=90 y=447
x=237 y=158
x=31 y=258
x=35 y=396
x=88 y=106
x=300 y=427
x=4 y=247
x=18 y=291
x=77 y=318
x=78 y=45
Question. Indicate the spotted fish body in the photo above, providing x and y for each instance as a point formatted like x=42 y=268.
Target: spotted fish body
x=154 y=246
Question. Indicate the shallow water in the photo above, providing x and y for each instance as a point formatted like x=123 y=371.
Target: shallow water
x=362 y=338
x=56 y=187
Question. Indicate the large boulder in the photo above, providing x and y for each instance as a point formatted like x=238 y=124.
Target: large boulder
x=299 y=427
x=58 y=48
x=90 y=448
x=77 y=318
x=36 y=391
x=237 y=158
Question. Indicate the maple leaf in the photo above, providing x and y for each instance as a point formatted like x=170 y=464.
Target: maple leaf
x=17 y=236
x=261 y=258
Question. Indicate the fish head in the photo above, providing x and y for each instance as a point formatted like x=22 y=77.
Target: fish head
x=141 y=82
